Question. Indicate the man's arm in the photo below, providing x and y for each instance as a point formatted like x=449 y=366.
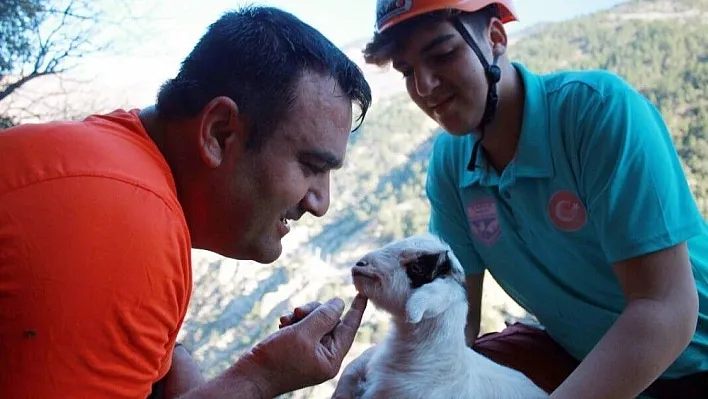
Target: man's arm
x=654 y=328
x=474 y=283
x=184 y=374
x=237 y=382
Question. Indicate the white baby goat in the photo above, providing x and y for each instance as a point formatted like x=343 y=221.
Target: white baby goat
x=420 y=283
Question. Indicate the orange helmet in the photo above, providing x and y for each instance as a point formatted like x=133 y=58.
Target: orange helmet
x=392 y=12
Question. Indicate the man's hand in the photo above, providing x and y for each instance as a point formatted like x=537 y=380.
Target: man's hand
x=306 y=353
x=298 y=314
x=352 y=376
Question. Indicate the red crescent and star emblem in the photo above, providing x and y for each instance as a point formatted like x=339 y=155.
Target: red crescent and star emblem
x=566 y=211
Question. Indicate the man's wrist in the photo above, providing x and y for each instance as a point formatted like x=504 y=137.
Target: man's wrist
x=237 y=382
x=254 y=379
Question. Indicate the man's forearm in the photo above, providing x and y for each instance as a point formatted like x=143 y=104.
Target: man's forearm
x=638 y=348
x=184 y=375
x=474 y=284
x=472 y=330
x=235 y=383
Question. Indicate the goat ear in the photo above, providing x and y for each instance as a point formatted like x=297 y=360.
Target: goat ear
x=424 y=268
x=429 y=301
x=439 y=264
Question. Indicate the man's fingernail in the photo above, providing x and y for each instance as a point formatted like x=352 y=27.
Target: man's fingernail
x=337 y=304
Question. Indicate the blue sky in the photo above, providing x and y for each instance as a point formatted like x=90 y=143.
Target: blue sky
x=169 y=28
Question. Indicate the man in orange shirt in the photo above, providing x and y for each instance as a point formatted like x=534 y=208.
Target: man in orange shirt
x=98 y=218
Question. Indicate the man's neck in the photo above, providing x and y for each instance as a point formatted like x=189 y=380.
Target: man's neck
x=153 y=127
x=502 y=134
x=159 y=132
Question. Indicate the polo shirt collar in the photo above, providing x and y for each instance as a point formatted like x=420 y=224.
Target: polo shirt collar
x=533 y=155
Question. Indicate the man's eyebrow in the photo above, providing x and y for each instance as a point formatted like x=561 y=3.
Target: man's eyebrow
x=428 y=47
x=435 y=42
x=332 y=161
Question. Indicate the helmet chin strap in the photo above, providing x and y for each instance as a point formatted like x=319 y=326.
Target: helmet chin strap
x=493 y=73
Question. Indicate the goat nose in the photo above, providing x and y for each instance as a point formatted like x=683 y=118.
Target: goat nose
x=362 y=263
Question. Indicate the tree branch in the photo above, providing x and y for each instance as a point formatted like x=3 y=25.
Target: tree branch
x=60 y=34
x=9 y=89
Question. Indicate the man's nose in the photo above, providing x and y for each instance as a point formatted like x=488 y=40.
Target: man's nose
x=425 y=82
x=317 y=201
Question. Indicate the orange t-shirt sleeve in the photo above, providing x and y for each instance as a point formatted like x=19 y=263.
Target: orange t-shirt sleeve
x=94 y=284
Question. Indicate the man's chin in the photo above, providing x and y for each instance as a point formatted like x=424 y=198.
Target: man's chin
x=455 y=127
x=264 y=254
x=456 y=130
x=268 y=254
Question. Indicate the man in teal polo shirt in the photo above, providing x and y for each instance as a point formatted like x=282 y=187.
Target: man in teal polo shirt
x=567 y=188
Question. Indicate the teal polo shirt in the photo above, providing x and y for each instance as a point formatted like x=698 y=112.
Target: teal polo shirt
x=595 y=180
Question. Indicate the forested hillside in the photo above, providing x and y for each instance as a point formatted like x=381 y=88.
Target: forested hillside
x=659 y=46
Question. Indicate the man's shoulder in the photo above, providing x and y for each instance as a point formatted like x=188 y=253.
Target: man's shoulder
x=112 y=145
x=116 y=120
x=577 y=94
x=582 y=84
x=74 y=145
x=588 y=98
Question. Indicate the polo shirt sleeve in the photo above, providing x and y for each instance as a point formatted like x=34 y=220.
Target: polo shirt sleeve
x=94 y=285
x=635 y=189
x=448 y=219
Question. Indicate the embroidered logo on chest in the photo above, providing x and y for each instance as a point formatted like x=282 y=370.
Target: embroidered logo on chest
x=483 y=220
x=566 y=211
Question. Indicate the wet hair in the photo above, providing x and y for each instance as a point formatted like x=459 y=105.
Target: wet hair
x=381 y=47
x=256 y=56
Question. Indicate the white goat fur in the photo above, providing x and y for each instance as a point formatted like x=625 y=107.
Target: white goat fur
x=425 y=354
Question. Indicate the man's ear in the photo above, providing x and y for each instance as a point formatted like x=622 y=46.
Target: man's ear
x=497 y=37
x=221 y=125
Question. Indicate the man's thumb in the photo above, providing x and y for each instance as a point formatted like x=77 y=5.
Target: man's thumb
x=325 y=317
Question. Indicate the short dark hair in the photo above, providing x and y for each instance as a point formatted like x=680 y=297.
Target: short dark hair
x=380 y=49
x=255 y=56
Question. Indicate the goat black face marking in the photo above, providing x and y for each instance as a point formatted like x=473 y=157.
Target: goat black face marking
x=426 y=267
